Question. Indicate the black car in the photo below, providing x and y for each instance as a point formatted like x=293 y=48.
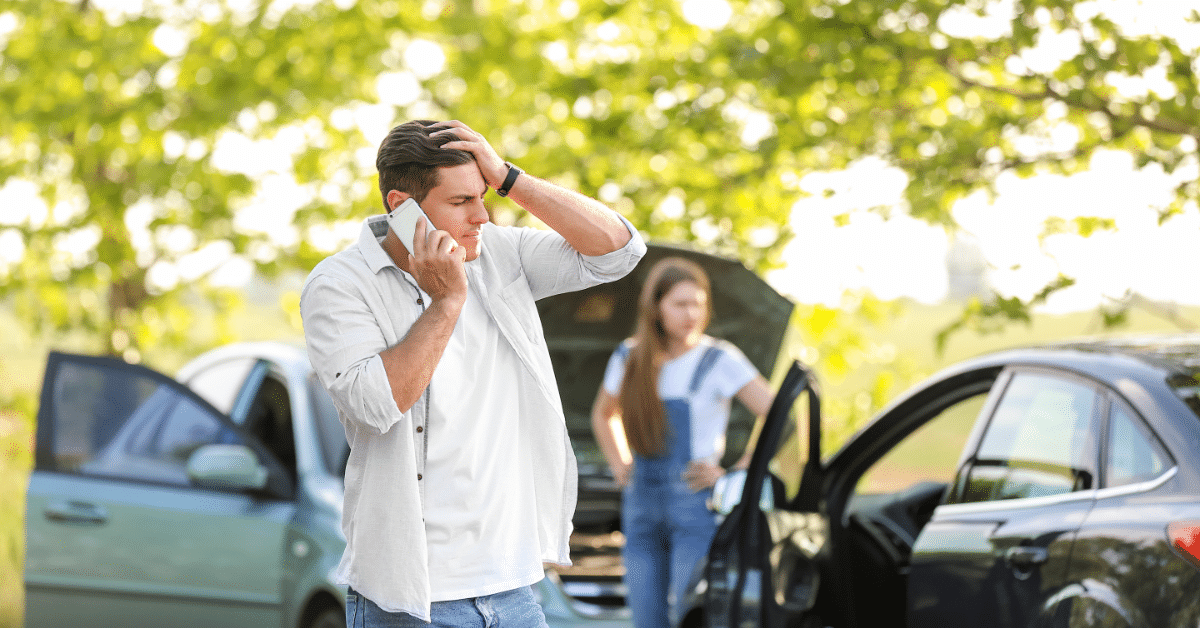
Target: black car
x=1052 y=486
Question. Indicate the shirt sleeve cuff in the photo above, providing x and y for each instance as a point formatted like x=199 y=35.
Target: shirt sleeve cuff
x=635 y=247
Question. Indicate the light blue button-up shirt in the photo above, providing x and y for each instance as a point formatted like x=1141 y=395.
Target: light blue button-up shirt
x=357 y=303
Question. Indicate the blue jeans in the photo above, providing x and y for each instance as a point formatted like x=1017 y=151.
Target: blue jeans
x=668 y=529
x=509 y=609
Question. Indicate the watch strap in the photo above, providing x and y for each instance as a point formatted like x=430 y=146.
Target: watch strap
x=513 y=173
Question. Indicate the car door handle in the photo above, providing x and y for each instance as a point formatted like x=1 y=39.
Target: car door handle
x=76 y=512
x=1025 y=557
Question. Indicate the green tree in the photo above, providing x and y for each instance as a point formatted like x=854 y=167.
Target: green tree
x=697 y=133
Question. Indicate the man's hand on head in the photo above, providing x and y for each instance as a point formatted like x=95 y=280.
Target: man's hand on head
x=491 y=166
x=588 y=226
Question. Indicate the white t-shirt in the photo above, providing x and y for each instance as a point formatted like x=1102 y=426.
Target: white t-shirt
x=710 y=403
x=480 y=509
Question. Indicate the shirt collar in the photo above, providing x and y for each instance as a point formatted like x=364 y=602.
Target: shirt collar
x=373 y=229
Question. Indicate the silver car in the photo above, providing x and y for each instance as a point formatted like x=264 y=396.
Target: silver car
x=210 y=499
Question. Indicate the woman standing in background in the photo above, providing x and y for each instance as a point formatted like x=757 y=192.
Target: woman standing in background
x=666 y=398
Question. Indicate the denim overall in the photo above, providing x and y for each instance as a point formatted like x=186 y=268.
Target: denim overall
x=667 y=527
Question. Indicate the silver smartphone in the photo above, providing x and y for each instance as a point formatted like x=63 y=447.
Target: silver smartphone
x=403 y=220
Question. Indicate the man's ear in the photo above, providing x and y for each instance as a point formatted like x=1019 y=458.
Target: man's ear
x=395 y=197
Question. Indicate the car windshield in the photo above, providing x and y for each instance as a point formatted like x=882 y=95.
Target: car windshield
x=334 y=448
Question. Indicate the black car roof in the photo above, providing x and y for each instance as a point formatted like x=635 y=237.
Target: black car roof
x=1178 y=353
x=1148 y=359
x=1152 y=356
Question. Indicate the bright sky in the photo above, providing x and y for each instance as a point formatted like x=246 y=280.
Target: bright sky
x=907 y=257
x=894 y=257
x=904 y=256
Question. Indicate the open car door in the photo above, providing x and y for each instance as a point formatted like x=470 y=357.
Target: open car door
x=762 y=566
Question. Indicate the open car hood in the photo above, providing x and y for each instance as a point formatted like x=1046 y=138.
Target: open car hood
x=583 y=328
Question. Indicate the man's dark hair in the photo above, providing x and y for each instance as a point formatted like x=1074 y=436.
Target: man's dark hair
x=409 y=159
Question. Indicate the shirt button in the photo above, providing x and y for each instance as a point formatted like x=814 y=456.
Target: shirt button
x=419 y=478
x=420 y=301
x=420 y=429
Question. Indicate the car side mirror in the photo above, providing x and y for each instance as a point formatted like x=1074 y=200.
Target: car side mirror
x=727 y=493
x=227 y=467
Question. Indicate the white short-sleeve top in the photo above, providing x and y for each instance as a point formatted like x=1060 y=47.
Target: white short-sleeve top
x=723 y=374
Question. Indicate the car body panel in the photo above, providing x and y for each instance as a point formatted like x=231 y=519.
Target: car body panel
x=992 y=567
x=1123 y=534
x=136 y=566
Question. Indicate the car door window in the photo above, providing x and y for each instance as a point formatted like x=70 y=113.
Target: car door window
x=1039 y=441
x=929 y=454
x=1134 y=455
x=128 y=424
x=181 y=428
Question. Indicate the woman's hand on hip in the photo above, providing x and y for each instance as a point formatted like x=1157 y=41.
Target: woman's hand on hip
x=621 y=473
x=701 y=475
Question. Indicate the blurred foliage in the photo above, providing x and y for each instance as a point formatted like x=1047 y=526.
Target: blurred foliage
x=696 y=134
x=991 y=317
x=858 y=363
x=16 y=459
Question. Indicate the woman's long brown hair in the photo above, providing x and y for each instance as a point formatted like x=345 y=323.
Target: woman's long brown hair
x=642 y=410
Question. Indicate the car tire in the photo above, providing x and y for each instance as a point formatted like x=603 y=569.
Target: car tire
x=328 y=618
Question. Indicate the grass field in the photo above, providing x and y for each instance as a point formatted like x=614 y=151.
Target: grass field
x=15 y=462
x=906 y=336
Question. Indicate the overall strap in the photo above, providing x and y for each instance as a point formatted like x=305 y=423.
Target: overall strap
x=706 y=364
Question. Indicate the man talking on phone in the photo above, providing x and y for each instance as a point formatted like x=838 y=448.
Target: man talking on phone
x=461 y=481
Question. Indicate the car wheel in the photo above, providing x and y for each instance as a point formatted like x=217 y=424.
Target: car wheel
x=328 y=618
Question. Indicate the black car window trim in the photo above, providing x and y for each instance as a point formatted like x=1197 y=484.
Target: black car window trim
x=249 y=390
x=279 y=485
x=256 y=376
x=1112 y=401
x=975 y=440
x=1011 y=372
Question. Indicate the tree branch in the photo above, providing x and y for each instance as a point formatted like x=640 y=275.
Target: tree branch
x=1166 y=125
x=1164 y=311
